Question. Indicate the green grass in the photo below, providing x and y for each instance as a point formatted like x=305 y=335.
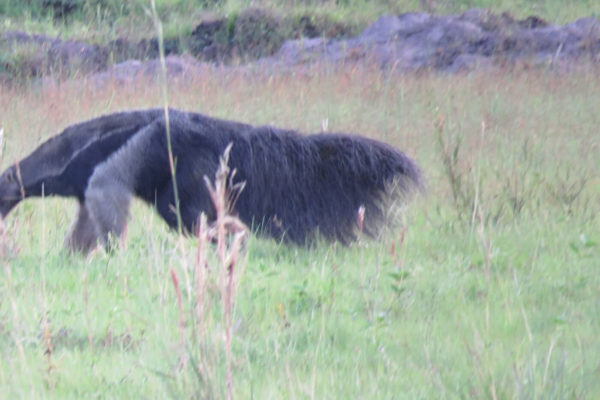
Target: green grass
x=497 y=296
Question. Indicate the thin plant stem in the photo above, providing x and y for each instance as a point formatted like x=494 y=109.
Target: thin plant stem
x=165 y=94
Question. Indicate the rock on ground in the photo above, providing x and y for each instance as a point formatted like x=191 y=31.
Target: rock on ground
x=416 y=41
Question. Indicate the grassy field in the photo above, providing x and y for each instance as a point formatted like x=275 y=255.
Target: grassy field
x=489 y=289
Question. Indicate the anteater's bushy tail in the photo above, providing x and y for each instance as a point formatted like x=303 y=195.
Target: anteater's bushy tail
x=300 y=185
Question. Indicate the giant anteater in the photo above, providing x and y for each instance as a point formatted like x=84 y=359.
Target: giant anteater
x=295 y=185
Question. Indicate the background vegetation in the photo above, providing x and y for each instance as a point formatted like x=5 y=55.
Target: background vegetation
x=490 y=288
x=103 y=20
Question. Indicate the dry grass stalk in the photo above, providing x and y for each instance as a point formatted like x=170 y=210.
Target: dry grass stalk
x=229 y=233
x=13 y=302
x=175 y=278
x=361 y=219
x=86 y=299
x=201 y=266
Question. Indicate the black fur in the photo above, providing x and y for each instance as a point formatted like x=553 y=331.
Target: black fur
x=296 y=185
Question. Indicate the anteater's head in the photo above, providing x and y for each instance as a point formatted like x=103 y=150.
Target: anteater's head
x=11 y=192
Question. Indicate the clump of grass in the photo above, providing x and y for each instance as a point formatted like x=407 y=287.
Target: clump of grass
x=20 y=61
x=567 y=187
x=462 y=193
x=220 y=264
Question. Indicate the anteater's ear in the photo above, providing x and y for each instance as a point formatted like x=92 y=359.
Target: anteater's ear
x=10 y=176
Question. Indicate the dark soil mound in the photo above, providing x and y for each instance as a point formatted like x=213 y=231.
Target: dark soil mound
x=257 y=33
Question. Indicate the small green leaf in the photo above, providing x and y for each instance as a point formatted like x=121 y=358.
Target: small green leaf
x=398 y=290
x=574 y=247
x=399 y=276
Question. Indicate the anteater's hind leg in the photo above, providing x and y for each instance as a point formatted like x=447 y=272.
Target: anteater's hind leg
x=83 y=236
